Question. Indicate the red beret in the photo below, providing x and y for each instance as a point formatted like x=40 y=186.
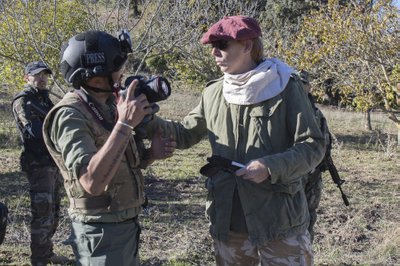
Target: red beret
x=232 y=28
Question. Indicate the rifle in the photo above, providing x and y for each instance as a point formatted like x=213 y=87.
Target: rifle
x=327 y=161
x=39 y=110
x=327 y=164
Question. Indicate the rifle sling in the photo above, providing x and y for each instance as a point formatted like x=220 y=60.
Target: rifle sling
x=92 y=107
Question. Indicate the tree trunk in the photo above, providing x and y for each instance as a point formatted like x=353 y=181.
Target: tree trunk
x=368 y=119
x=398 y=135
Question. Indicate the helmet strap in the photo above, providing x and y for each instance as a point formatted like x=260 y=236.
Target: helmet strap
x=110 y=82
x=85 y=86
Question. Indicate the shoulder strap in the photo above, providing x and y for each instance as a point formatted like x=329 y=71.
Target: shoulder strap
x=29 y=95
x=25 y=93
x=131 y=152
x=91 y=106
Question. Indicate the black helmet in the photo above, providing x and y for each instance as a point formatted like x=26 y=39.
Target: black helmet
x=93 y=53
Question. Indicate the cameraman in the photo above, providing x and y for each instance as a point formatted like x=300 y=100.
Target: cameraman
x=91 y=140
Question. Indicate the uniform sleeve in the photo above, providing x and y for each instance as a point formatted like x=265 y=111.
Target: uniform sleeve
x=72 y=137
x=308 y=146
x=188 y=132
x=31 y=124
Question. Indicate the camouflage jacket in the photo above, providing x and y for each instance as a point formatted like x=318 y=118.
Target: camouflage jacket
x=280 y=131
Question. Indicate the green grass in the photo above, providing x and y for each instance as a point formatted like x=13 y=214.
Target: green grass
x=369 y=161
x=175 y=229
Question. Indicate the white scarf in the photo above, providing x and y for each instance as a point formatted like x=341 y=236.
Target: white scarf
x=264 y=82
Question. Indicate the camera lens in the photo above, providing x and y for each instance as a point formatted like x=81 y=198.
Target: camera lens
x=156 y=89
x=165 y=88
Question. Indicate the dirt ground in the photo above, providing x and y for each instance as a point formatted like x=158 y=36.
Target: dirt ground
x=175 y=229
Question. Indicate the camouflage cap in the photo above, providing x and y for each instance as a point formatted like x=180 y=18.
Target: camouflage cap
x=36 y=67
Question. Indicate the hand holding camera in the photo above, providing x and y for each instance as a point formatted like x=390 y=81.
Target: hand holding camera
x=155 y=89
x=133 y=109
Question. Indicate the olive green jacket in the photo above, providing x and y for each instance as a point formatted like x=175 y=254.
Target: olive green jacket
x=282 y=131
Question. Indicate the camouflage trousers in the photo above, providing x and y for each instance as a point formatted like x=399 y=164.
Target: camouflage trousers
x=295 y=250
x=313 y=190
x=45 y=183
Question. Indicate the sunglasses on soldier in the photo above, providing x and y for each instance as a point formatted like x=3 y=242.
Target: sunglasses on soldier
x=220 y=45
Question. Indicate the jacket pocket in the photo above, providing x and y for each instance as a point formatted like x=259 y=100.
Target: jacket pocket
x=287 y=188
x=291 y=188
x=261 y=115
x=219 y=198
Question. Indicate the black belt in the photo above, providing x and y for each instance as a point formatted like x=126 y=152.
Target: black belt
x=127 y=221
x=96 y=202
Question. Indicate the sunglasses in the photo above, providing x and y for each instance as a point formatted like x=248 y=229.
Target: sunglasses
x=220 y=45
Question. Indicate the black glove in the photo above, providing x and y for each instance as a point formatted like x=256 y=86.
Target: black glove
x=217 y=163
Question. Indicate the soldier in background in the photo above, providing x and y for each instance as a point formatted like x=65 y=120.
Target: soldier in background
x=30 y=107
x=313 y=184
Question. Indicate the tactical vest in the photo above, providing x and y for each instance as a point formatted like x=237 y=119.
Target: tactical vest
x=34 y=149
x=125 y=190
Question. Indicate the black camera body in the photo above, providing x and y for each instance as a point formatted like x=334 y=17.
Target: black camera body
x=156 y=89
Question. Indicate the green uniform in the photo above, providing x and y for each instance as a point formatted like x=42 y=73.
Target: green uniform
x=29 y=108
x=105 y=227
x=282 y=131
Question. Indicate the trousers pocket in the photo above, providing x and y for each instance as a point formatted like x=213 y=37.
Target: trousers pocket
x=94 y=241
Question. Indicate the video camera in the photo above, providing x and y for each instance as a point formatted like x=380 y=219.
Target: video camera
x=156 y=89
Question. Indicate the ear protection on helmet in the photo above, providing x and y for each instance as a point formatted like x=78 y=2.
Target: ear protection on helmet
x=93 y=53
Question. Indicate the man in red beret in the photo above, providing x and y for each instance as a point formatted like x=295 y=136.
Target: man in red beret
x=264 y=141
